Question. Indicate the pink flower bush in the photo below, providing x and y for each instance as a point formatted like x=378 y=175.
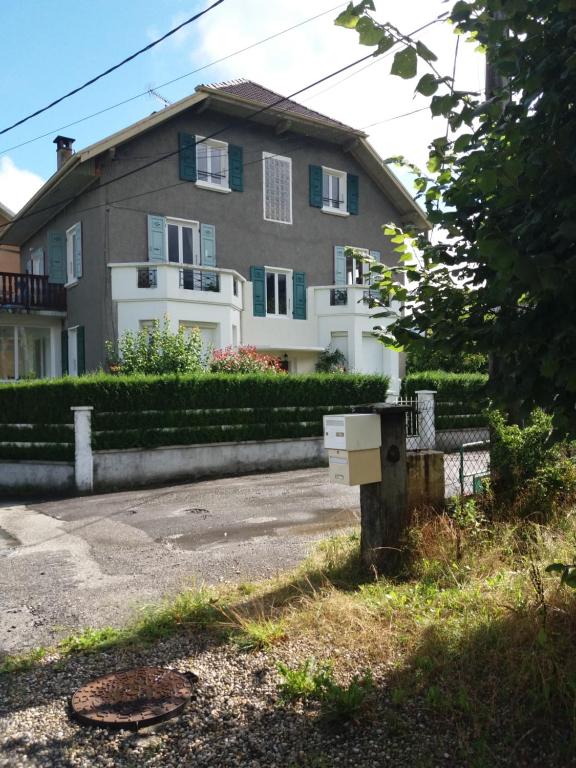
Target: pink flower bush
x=243 y=360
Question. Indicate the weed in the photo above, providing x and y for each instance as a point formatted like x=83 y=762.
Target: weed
x=304 y=681
x=93 y=640
x=342 y=703
x=258 y=634
x=23 y=661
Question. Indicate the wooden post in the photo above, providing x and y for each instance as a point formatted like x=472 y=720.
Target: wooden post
x=384 y=505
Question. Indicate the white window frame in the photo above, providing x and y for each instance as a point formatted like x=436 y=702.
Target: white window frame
x=265 y=156
x=218 y=146
x=195 y=227
x=342 y=176
x=289 y=291
x=364 y=266
x=72 y=337
x=71 y=277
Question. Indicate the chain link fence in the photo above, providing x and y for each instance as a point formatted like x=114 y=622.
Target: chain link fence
x=460 y=431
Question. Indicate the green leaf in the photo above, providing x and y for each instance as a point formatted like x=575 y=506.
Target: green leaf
x=462 y=142
x=424 y=52
x=427 y=85
x=370 y=32
x=405 y=64
x=385 y=44
x=348 y=18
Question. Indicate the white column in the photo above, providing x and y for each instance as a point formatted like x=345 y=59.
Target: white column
x=84 y=462
x=426 y=418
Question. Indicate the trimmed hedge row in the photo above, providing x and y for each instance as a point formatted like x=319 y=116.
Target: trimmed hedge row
x=49 y=401
x=151 y=411
x=460 y=387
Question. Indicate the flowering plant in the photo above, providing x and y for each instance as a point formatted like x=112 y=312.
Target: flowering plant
x=243 y=360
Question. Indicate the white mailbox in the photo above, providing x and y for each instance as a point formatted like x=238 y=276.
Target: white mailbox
x=352 y=432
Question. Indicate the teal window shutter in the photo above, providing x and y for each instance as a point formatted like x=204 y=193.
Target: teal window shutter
x=315 y=177
x=258 y=280
x=299 y=286
x=236 y=168
x=352 y=193
x=57 y=257
x=156 y=238
x=376 y=255
x=208 y=245
x=80 y=353
x=339 y=265
x=64 y=352
x=78 y=250
x=187 y=156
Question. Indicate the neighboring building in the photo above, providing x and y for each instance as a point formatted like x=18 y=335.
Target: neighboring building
x=9 y=255
x=227 y=211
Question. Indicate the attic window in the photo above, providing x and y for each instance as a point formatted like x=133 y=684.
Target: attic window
x=334 y=191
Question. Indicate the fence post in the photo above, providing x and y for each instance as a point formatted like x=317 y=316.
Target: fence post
x=426 y=418
x=83 y=459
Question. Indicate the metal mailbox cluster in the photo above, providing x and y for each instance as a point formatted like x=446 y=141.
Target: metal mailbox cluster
x=353 y=442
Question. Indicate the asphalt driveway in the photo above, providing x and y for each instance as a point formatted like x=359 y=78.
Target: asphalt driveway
x=91 y=561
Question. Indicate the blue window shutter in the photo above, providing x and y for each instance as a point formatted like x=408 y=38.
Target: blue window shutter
x=376 y=255
x=352 y=193
x=78 y=250
x=315 y=176
x=64 y=352
x=57 y=257
x=208 y=245
x=236 y=168
x=299 y=286
x=156 y=238
x=187 y=156
x=339 y=265
x=258 y=280
x=80 y=352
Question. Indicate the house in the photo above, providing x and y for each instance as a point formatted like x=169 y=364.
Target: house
x=230 y=211
x=9 y=255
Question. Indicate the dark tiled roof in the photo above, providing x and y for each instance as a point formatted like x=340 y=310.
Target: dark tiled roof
x=247 y=89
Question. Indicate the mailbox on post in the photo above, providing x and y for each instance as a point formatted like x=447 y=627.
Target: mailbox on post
x=353 y=442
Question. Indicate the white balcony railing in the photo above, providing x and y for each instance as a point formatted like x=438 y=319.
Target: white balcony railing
x=143 y=281
x=344 y=300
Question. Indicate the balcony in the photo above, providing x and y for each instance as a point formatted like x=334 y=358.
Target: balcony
x=345 y=300
x=30 y=292
x=176 y=282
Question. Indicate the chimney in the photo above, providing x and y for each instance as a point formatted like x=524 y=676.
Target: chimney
x=63 y=150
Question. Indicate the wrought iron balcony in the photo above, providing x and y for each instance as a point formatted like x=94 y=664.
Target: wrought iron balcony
x=28 y=292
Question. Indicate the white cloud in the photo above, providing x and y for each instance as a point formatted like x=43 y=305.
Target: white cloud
x=314 y=50
x=17 y=185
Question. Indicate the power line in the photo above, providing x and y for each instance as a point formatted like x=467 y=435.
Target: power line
x=111 y=69
x=174 y=80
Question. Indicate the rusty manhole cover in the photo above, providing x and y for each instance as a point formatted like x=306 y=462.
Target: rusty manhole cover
x=133 y=699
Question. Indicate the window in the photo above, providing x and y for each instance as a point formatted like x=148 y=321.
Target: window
x=73 y=254
x=334 y=191
x=357 y=271
x=277 y=180
x=212 y=164
x=278 y=292
x=147 y=278
x=182 y=241
x=24 y=352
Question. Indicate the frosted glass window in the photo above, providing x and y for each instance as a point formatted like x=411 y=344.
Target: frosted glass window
x=277 y=173
x=7 y=353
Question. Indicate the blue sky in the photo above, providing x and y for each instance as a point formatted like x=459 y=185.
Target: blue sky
x=51 y=46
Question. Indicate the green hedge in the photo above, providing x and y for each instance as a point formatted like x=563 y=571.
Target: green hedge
x=149 y=411
x=49 y=401
x=461 y=398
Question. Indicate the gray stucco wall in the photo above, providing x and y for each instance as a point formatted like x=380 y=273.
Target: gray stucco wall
x=114 y=222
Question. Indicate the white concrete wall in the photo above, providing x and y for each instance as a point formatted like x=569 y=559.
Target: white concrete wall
x=134 y=467
x=36 y=476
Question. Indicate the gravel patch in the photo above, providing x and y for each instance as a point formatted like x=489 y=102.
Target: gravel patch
x=234 y=721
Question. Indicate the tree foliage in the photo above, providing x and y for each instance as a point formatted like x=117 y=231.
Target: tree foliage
x=500 y=185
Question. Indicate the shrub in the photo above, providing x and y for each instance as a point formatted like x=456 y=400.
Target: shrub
x=331 y=361
x=458 y=387
x=531 y=475
x=243 y=360
x=158 y=350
